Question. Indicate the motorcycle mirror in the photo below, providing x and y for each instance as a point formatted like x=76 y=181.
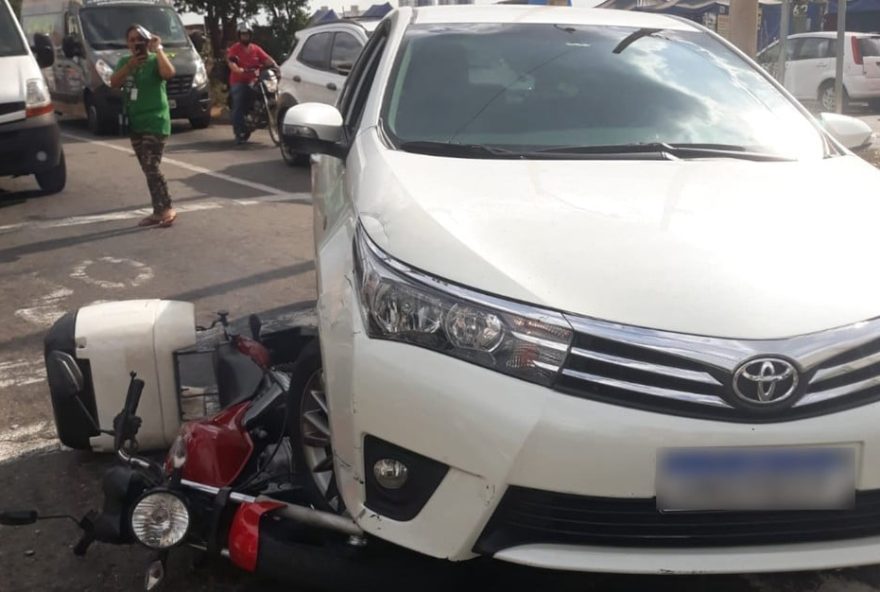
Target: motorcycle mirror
x=63 y=374
x=19 y=517
x=256 y=326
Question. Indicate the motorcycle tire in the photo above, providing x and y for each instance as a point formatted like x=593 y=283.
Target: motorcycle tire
x=272 y=123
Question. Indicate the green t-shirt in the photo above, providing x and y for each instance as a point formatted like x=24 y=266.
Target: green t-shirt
x=146 y=99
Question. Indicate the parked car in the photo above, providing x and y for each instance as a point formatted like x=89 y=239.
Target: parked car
x=30 y=142
x=811 y=67
x=90 y=37
x=321 y=58
x=592 y=295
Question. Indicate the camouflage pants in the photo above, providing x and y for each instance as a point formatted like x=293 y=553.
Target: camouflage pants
x=149 y=148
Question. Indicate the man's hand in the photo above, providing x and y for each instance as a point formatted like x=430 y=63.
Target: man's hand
x=155 y=43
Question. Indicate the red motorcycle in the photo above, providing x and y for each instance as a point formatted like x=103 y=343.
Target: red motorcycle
x=228 y=485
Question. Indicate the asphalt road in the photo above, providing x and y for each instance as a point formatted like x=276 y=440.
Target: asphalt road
x=242 y=242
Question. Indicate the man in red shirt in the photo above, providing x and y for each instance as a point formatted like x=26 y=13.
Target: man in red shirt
x=244 y=59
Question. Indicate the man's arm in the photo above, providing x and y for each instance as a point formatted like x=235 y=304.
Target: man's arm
x=166 y=68
x=267 y=59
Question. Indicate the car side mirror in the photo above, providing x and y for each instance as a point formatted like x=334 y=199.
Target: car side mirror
x=853 y=133
x=344 y=69
x=314 y=128
x=64 y=374
x=43 y=50
x=71 y=47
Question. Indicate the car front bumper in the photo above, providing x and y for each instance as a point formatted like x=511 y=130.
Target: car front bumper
x=30 y=146
x=497 y=434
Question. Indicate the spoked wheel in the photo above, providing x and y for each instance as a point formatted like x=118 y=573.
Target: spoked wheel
x=309 y=421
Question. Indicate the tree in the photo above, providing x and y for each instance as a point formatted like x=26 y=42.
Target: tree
x=221 y=18
x=286 y=17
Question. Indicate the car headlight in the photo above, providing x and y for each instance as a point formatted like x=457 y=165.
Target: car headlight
x=160 y=520
x=402 y=304
x=104 y=71
x=201 y=77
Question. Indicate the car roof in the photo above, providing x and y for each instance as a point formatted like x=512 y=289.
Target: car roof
x=545 y=15
x=831 y=34
x=368 y=24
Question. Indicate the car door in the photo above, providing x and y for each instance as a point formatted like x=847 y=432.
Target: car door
x=314 y=78
x=811 y=65
x=330 y=190
x=869 y=49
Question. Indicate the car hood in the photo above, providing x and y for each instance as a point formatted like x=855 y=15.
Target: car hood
x=725 y=248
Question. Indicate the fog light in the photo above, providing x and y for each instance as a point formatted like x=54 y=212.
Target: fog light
x=390 y=473
x=160 y=520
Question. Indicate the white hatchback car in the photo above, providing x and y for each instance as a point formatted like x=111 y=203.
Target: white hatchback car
x=321 y=58
x=811 y=66
x=594 y=293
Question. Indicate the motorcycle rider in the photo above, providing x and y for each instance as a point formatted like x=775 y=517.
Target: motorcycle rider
x=245 y=59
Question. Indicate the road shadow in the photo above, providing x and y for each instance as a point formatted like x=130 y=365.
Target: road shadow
x=14 y=253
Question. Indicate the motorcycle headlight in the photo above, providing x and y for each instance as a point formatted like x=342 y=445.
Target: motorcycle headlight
x=104 y=71
x=201 y=77
x=160 y=520
x=402 y=304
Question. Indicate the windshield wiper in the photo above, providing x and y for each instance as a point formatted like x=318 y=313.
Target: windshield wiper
x=458 y=150
x=677 y=150
x=633 y=37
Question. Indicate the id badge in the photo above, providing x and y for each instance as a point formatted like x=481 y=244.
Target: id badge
x=134 y=94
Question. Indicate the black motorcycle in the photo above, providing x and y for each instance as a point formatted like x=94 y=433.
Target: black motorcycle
x=261 y=110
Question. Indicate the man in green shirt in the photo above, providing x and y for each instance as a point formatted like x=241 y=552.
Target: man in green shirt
x=142 y=76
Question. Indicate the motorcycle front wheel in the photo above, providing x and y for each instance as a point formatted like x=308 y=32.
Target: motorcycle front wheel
x=272 y=116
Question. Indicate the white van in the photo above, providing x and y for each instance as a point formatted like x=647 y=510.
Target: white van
x=30 y=142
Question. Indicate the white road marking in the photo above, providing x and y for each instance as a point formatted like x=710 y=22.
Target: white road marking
x=45 y=310
x=21 y=372
x=144 y=273
x=30 y=438
x=185 y=165
x=141 y=212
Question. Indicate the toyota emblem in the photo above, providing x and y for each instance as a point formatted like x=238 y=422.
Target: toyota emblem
x=765 y=381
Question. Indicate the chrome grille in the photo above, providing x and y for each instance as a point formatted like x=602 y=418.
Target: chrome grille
x=179 y=85
x=853 y=373
x=691 y=375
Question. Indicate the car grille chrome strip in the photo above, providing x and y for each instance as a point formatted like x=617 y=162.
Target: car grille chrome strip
x=663 y=370
x=834 y=393
x=846 y=368
x=685 y=374
x=648 y=390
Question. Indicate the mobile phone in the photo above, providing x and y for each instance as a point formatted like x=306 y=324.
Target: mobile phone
x=140 y=48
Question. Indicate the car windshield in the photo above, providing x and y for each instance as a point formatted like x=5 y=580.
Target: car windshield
x=104 y=27
x=10 y=39
x=538 y=87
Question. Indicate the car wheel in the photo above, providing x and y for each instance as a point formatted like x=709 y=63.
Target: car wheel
x=54 y=180
x=200 y=122
x=308 y=421
x=99 y=123
x=828 y=100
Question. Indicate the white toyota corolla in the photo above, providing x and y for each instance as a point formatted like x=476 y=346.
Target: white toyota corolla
x=595 y=293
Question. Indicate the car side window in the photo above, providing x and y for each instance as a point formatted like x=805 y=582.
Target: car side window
x=346 y=49
x=316 y=51
x=813 y=48
x=360 y=82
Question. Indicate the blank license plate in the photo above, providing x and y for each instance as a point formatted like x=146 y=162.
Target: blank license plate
x=755 y=479
x=172 y=104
